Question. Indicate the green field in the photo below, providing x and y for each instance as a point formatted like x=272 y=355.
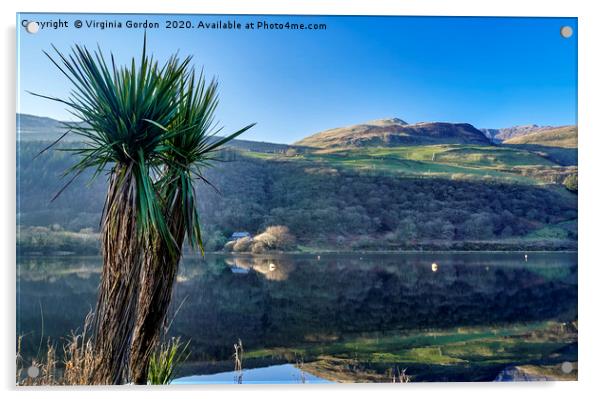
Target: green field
x=459 y=155
x=449 y=161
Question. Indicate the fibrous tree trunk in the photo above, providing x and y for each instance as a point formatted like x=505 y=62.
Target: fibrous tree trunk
x=158 y=275
x=122 y=250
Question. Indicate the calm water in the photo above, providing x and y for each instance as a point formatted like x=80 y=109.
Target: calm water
x=300 y=301
x=278 y=374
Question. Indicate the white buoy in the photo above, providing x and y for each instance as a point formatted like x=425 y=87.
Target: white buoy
x=526 y=257
x=434 y=267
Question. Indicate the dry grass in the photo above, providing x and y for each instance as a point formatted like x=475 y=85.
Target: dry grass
x=76 y=368
x=238 y=355
x=300 y=364
x=565 y=136
x=79 y=363
x=400 y=376
x=79 y=359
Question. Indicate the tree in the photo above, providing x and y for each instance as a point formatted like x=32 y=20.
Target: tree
x=242 y=244
x=479 y=226
x=571 y=183
x=190 y=148
x=276 y=238
x=407 y=230
x=152 y=127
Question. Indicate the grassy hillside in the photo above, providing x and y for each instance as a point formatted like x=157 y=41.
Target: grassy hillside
x=558 y=145
x=383 y=185
x=376 y=198
x=499 y=135
x=450 y=161
x=395 y=132
x=564 y=137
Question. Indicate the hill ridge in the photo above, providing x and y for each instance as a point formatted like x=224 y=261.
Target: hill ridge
x=561 y=136
x=391 y=132
x=506 y=133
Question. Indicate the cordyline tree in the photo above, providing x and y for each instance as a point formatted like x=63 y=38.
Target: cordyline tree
x=151 y=128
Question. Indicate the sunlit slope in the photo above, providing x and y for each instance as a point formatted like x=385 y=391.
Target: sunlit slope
x=450 y=154
x=453 y=161
x=559 y=145
x=395 y=132
x=564 y=137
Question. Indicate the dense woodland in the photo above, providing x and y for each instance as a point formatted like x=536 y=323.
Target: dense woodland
x=323 y=207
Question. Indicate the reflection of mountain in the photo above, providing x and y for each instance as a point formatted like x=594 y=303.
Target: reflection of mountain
x=305 y=299
x=53 y=295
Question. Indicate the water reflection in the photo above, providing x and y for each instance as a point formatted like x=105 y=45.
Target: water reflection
x=272 y=268
x=280 y=301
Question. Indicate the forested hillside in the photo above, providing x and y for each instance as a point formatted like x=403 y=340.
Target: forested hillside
x=326 y=201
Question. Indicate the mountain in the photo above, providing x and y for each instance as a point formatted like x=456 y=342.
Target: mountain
x=395 y=132
x=558 y=144
x=31 y=127
x=445 y=189
x=564 y=137
x=39 y=128
x=499 y=135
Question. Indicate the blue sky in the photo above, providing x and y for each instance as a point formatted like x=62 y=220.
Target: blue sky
x=490 y=72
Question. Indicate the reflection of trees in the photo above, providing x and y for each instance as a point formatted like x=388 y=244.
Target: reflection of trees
x=271 y=267
x=53 y=297
x=341 y=295
x=304 y=298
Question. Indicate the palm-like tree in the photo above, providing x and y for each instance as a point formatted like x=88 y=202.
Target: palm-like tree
x=137 y=123
x=192 y=148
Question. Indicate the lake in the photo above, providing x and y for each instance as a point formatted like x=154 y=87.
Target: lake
x=339 y=317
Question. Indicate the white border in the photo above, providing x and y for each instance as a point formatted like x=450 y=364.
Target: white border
x=590 y=146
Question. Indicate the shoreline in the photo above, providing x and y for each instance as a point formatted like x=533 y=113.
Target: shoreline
x=62 y=254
